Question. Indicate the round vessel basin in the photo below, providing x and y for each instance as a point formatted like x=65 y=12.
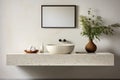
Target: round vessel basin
x=60 y=48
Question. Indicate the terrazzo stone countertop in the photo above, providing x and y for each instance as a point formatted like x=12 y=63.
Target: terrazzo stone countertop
x=46 y=59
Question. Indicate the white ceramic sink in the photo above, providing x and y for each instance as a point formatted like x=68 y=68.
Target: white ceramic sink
x=60 y=48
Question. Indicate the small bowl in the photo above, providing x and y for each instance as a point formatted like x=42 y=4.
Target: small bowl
x=35 y=51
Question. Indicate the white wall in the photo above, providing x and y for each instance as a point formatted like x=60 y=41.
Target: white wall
x=20 y=27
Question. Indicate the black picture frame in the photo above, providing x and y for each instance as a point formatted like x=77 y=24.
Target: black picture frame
x=42 y=6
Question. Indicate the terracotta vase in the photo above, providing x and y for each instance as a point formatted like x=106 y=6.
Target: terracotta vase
x=91 y=47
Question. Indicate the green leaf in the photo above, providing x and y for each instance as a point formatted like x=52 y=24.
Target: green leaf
x=93 y=27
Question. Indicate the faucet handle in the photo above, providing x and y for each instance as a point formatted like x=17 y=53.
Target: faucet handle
x=60 y=40
x=64 y=40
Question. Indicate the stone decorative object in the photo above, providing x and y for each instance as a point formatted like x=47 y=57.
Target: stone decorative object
x=31 y=49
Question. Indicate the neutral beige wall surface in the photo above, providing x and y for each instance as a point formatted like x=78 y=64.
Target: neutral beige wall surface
x=20 y=27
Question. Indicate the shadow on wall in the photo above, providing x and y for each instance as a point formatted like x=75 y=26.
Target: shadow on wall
x=80 y=72
x=52 y=72
x=115 y=46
